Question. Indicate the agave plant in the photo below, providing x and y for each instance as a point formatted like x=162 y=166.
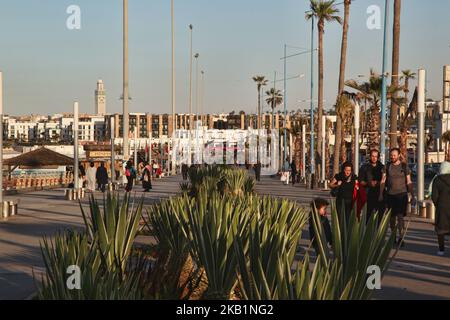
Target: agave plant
x=115 y=229
x=97 y=282
x=212 y=227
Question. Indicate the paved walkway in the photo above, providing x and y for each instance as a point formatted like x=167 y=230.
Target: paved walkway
x=417 y=273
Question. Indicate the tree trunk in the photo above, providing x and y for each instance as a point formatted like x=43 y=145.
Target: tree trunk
x=338 y=140
x=259 y=107
x=320 y=98
x=395 y=72
x=403 y=143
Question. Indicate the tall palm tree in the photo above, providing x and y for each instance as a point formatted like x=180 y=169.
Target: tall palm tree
x=339 y=133
x=395 y=71
x=344 y=108
x=406 y=76
x=370 y=91
x=323 y=11
x=260 y=82
x=274 y=98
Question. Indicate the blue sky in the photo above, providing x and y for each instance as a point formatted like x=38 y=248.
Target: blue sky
x=46 y=66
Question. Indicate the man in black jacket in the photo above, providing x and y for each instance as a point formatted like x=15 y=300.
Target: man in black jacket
x=370 y=176
x=102 y=177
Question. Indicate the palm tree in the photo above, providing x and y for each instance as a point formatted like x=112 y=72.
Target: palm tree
x=323 y=11
x=344 y=109
x=339 y=132
x=260 y=82
x=395 y=71
x=406 y=76
x=370 y=92
x=274 y=98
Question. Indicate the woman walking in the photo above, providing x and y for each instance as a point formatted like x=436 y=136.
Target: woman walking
x=441 y=199
x=343 y=185
x=130 y=174
x=147 y=178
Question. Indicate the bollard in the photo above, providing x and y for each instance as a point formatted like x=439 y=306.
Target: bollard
x=4 y=210
x=422 y=209
x=430 y=210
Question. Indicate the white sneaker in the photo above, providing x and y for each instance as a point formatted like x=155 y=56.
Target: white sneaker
x=441 y=253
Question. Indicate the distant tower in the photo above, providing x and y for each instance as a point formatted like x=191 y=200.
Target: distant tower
x=100 y=99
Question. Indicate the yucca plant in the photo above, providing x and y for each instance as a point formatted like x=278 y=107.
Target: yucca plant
x=115 y=228
x=273 y=236
x=235 y=180
x=97 y=282
x=173 y=275
x=212 y=226
x=356 y=245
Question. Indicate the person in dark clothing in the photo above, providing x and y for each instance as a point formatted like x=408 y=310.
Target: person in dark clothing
x=102 y=177
x=441 y=198
x=397 y=183
x=184 y=171
x=257 y=168
x=82 y=173
x=130 y=174
x=147 y=178
x=319 y=205
x=345 y=182
x=293 y=172
x=370 y=176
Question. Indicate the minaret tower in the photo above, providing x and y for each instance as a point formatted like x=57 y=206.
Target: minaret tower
x=100 y=99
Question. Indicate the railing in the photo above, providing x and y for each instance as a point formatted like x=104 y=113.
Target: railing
x=37 y=181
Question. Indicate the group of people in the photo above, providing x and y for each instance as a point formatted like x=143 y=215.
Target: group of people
x=382 y=187
x=97 y=178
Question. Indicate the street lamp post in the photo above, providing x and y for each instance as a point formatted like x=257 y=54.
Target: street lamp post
x=323 y=133
x=312 y=107
x=421 y=137
x=126 y=119
x=196 y=85
x=384 y=85
x=1 y=143
x=285 y=105
x=113 y=152
x=75 y=146
x=356 y=142
x=173 y=84
x=191 y=57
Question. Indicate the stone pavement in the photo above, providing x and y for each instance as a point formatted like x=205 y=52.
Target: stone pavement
x=417 y=273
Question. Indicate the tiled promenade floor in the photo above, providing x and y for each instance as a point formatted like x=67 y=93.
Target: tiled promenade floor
x=417 y=273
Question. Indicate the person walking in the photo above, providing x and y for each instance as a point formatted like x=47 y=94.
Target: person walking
x=293 y=172
x=184 y=171
x=343 y=186
x=257 y=168
x=147 y=178
x=82 y=174
x=440 y=195
x=130 y=174
x=394 y=187
x=370 y=176
x=91 y=176
x=102 y=177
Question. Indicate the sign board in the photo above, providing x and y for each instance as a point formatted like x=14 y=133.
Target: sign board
x=99 y=154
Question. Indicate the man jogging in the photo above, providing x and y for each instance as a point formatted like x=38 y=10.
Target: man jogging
x=370 y=176
x=397 y=181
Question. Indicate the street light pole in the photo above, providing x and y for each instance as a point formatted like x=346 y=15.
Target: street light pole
x=196 y=85
x=126 y=120
x=75 y=146
x=384 y=85
x=356 y=142
x=312 y=105
x=323 y=133
x=1 y=142
x=304 y=152
x=285 y=105
x=191 y=57
x=173 y=86
x=113 y=152
x=421 y=138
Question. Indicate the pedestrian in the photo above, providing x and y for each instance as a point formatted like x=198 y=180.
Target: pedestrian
x=257 y=168
x=343 y=185
x=130 y=174
x=91 y=176
x=184 y=171
x=319 y=205
x=370 y=176
x=147 y=178
x=285 y=172
x=293 y=172
x=440 y=195
x=102 y=177
x=394 y=187
x=82 y=174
